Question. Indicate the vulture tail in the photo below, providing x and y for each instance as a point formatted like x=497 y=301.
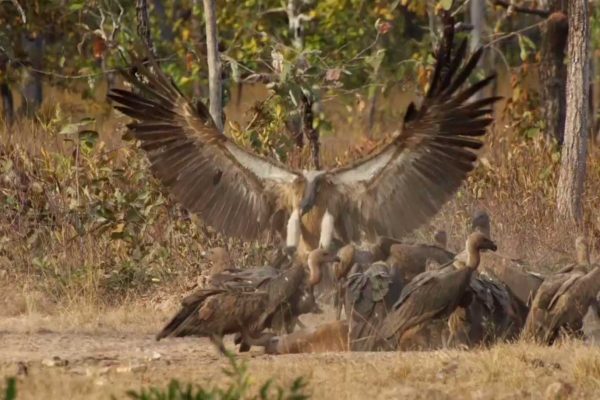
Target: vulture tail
x=176 y=322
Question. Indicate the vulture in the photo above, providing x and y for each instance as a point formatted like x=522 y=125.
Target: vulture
x=389 y=193
x=432 y=294
x=369 y=295
x=215 y=312
x=489 y=313
x=352 y=257
x=563 y=299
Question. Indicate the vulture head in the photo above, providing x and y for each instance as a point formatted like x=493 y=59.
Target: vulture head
x=480 y=221
x=220 y=259
x=346 y=260
x=316 y=259
x=477 y=242
x=441 y=238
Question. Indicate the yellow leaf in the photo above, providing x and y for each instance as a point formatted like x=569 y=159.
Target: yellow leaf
x=119 y=228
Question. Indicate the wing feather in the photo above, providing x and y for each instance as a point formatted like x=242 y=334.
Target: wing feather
x=399 y=188
x=231 y=189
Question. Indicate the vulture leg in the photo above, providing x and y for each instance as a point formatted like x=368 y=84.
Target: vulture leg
x=217 y=340
x=293 y=230
x=327 y=227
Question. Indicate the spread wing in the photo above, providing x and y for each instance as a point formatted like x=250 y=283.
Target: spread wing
x=232 y=190
x=399 y=188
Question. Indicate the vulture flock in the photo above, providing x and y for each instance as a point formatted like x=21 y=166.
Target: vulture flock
x=345 y=225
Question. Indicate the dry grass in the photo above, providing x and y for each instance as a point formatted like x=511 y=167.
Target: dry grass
x=91 y=245
x=114 y=351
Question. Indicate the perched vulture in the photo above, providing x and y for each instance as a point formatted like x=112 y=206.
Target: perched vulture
x=432 y=294
x=563 y=299
x=369 y=295
x=215 y=312
x=389 y=193
x=489 y=313
x=561 y=303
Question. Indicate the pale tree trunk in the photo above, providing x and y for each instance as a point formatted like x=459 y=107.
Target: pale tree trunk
x=477 y=17
x=574 y=151
x=553 y=70
x=214 y=63
x=197 y=37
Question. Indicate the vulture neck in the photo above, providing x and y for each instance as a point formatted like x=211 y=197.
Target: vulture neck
x=592 y=279
x=473 y=257
x=583 y=255
x=314 y=268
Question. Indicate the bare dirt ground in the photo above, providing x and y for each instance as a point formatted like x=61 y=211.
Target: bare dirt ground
x=94 y=355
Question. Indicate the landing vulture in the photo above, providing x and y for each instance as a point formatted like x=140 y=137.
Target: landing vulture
x=241 y=194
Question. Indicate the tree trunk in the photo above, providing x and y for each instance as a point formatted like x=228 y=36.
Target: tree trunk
x=166 y=33
x=553 y=71
x=214 y=63
x=5 y=92
x=33 y=46
x=309 y=131
x=477 y=17
x=197 y=38
x=574 y=152
x=143 y=26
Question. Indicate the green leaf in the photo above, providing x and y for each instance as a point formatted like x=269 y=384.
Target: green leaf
x=446 y=4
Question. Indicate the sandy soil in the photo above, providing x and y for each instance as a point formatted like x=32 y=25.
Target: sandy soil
x=94 y=359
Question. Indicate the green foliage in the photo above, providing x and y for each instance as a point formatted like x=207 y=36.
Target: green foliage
x=10 y=392
x=238 y=388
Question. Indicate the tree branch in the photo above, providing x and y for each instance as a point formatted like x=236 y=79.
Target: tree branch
x=520 y=9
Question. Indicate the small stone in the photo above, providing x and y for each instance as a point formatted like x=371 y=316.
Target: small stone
x=155 y=356
x=131 y=368
x=54 y=362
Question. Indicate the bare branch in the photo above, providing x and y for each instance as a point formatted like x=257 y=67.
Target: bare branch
x=520 y=9
x=20 y=10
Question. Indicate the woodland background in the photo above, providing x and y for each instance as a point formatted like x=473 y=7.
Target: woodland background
x=83 y=221
x=95 y=254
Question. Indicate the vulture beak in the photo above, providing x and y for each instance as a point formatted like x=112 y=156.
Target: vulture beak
x=309 y=198
x=490 y=245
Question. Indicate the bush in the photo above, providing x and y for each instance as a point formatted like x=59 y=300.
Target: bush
x=238 y=388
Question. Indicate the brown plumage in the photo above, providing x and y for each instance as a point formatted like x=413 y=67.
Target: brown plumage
x=370 y=292
x=488 y=313
x=563 y=299
x=244 y=195
x=411 y=259
x=433 y=294
x=217 y=312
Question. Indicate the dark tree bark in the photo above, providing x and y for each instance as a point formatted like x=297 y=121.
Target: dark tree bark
x=33 y=47
x=553 y=74
x=5 y=92
x=143 y=27
x=166 y=32
x=215 y=84
x=574 y=151
x=309 y=131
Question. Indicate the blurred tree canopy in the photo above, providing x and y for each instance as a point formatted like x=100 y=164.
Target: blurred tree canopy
x=323 y=48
